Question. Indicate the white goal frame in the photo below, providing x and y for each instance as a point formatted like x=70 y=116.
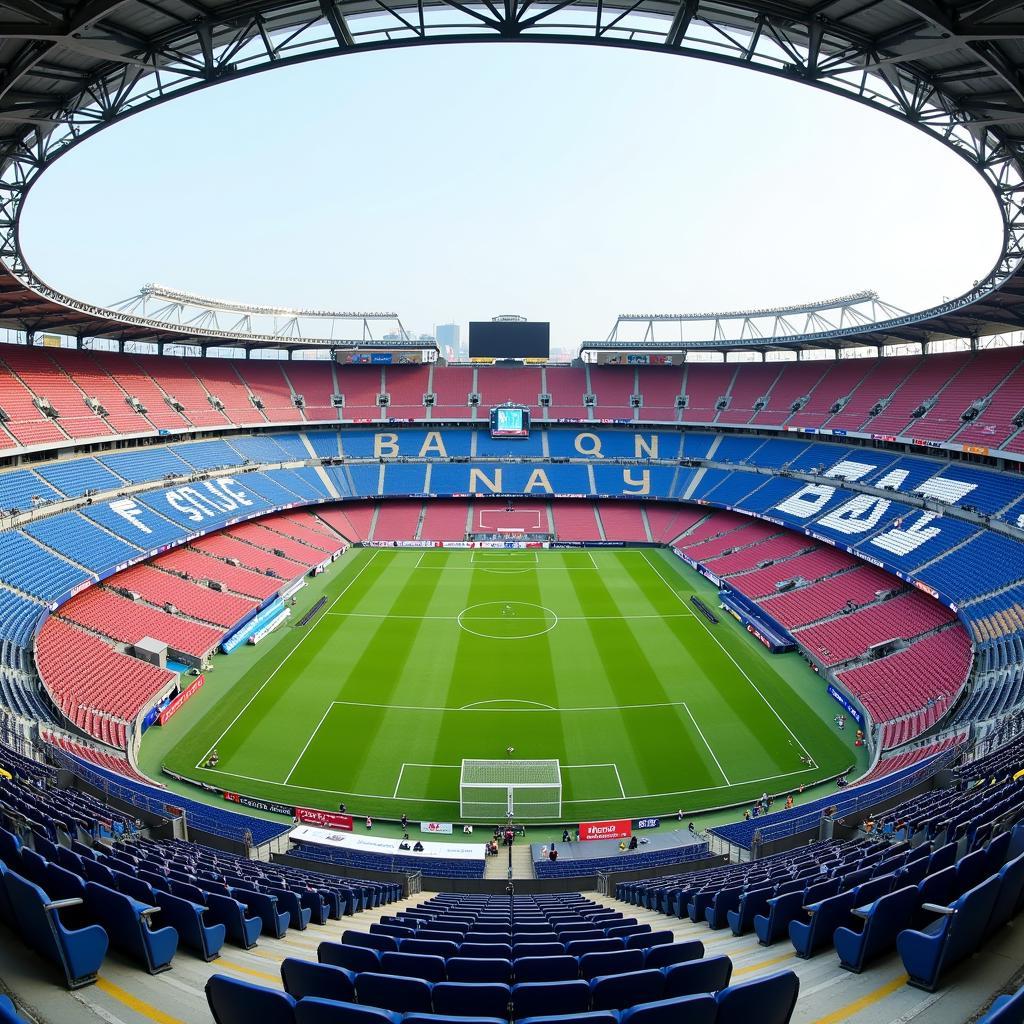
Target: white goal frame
x=502 y=787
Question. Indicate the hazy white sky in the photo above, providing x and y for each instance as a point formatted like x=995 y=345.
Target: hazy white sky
x=562 y=183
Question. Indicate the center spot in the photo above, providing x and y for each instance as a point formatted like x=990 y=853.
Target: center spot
x=507 y=620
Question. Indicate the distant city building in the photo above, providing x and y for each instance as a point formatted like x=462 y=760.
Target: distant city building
x=449 y=340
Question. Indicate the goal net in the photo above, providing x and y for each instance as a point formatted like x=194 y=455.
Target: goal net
x=493 y=790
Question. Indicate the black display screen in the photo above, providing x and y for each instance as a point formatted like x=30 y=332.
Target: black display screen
x=509 y=339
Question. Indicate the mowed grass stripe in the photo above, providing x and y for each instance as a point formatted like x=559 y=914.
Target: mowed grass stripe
x=500 y=670
x=285 y=656
x=599 y=656
x=373 y=677
x=748 y=708
x=670 y=749
x=760 y=745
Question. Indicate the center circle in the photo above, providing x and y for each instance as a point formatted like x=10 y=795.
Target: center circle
x=507 y=620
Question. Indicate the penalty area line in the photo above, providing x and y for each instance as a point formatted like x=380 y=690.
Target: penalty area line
x=700 y=731
x=302 y=639
x=728 y=654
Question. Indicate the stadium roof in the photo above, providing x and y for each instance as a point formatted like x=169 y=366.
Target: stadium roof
x=954 y=70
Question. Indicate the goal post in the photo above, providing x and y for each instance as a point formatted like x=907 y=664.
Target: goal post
x=494 y=790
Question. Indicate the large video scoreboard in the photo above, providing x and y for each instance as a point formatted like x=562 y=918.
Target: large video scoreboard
x=510 y=421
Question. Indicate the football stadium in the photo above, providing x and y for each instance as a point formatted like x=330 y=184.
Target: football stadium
x=345 y=679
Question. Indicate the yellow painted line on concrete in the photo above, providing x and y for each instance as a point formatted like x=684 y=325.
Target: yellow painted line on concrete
x=750 y=968
x=134 y=1003
x=232 y=966
x=846 y=1012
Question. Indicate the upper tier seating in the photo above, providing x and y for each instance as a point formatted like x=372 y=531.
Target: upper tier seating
x=110 y=693
x=843 y=394
x=906 y=616
x=105 y=612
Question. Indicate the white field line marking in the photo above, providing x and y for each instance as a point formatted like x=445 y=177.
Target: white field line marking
x=505 y=618
x=504 y=555
x=301 y=641
x=526 y=567
x=607 y=764
x=417 y=764
x=686 y=708
x=302 y=754
x=434 y=800
x=711 y=633
x=506 y=700
x=546 y=709
x=618 y=778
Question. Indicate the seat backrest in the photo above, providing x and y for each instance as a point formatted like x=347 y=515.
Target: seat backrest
x=352 y=937
x=431 y=947
x=581 y=946
x=767 y=1000
x=937 y=886
x=618 y=991
x=352 y=958
x=233 y=1001
x=391 y=992
x=967 y=928
x=305 y=978
x=546 y=968
x=491 y=950
x=674 y=953
x=698 y=1009
x=593 y=965
x=413 y=965
x=479 y=969
x=313 y=1010
x=697 y=976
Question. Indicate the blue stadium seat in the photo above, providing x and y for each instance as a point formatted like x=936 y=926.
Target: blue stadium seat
x=1008 y=1009
x=384 y=943
x=225 y=910
x=126 y=923
x=768 y=1000
x=674 y=953
x=697 y=976
x=8 y=1012
x=352 y=958
x=479 y=969
x=544 y=998
x=404 y=995
x=646 y=940
x=546 y=968
x=413 y=965
x=751 y=903
x=592 y=965
x=303 y=978
x=186 y=918
x=883 y=921
x=781 y=910
x=77 y=952
x=825 y=917
x=618 y=991
x=312 y=1010
x=429 y=947
x=467 y=999
x=264 y=906
x=927 y=954
x=697 y=1009
x=233 y=1001
x=1009 y=898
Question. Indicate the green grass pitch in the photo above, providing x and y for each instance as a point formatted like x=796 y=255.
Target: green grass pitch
x=421 y=658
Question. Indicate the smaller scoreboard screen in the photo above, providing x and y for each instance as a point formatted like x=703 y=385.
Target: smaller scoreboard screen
x=509 y=339
x=510 y=421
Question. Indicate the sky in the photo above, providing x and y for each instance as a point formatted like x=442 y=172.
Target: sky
x=562 y=183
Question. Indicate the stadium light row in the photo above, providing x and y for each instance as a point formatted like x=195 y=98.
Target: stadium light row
x=956 y=75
